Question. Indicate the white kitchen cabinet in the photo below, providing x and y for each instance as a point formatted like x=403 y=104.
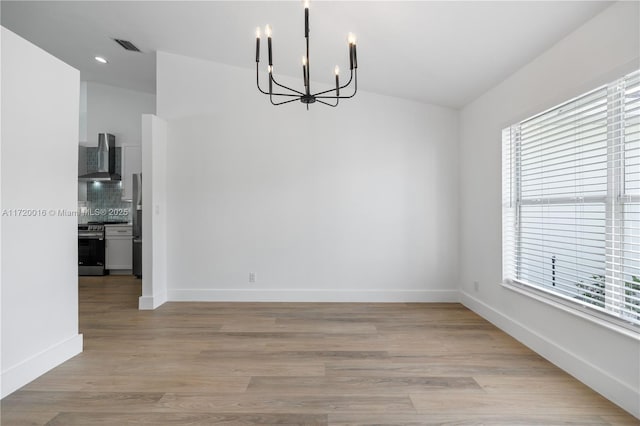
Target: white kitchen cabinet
x=118 y=248
x=131 y=163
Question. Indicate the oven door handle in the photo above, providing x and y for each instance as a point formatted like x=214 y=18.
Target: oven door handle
x=90 y=237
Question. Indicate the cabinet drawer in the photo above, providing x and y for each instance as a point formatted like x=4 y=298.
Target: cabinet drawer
x=118 y=231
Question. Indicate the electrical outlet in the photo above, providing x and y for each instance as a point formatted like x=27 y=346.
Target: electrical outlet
x=476 y=286
x=252 y=277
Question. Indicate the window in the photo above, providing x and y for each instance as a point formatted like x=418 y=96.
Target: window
x=571 y=202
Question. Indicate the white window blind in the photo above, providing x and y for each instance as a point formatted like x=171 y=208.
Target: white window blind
x=571 y=201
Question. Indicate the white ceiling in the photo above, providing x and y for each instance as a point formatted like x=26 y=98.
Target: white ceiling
x=445 y=53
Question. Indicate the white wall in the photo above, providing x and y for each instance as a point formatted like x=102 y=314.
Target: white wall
x=357 y=203
x=117 y=111
x=154 y=220
x=39 y=172
x=82 y=134
x=603 y=49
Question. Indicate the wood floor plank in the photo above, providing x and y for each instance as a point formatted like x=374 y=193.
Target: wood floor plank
x=297 y=356
x=300 y=326
x=187 y=365
x=464 y=420
x=183 y=419
x=333 y=385
x=514 y=404
x=286 y=403
x=228 y=368
x=25 y=418
x=487 y=359
x=147 y=383
x=420 y=369
x=369 y=343
x=532 y=384
x=135 y=346
x=621 y=420
x=47 y=401
x=297 y=363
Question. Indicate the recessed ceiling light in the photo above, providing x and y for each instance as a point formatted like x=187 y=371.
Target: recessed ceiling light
x=101 y=59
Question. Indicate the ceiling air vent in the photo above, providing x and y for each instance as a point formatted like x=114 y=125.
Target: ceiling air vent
x=127 y=45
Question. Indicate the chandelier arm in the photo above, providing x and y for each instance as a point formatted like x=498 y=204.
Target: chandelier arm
x=343 y=97
x=341 y=87
x=328 y=104
x=258 y=81
x=283 y=102
x=266 y=93
x=285 y=87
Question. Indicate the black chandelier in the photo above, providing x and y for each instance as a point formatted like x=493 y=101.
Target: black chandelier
x=306 y=97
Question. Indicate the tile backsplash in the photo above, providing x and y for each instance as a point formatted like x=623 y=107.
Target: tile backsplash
x=104 y=199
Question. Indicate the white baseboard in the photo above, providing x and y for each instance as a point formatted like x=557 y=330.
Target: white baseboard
x=160 y=300
x=253 y=295
x=599 y=380
x=148 y=303
x=19 y=375
x=145 y=303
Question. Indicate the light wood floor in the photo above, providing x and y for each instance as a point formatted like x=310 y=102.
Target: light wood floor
x=288 y=363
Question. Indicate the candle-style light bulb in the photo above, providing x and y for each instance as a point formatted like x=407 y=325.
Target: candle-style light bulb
x=258 y=44
x=353 y=62
x=355 y=54
x=267 y=31
x=337 y=70
x=306 y=18
x=305 y=76
x=269 y=69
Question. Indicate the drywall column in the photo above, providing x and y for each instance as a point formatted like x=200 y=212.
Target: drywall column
x=1 y=364
x=154 y=228
x=39 y=157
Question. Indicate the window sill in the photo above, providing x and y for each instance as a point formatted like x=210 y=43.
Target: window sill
x=584 y=312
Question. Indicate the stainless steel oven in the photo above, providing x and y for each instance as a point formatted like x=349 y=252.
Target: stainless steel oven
x=91 y=249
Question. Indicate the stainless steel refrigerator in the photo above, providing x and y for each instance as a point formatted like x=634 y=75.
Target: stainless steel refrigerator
x=136 y=205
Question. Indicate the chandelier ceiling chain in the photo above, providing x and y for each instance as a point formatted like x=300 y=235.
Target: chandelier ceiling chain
x=306 y=97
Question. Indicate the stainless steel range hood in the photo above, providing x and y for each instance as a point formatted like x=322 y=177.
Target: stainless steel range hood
x=106 y=161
